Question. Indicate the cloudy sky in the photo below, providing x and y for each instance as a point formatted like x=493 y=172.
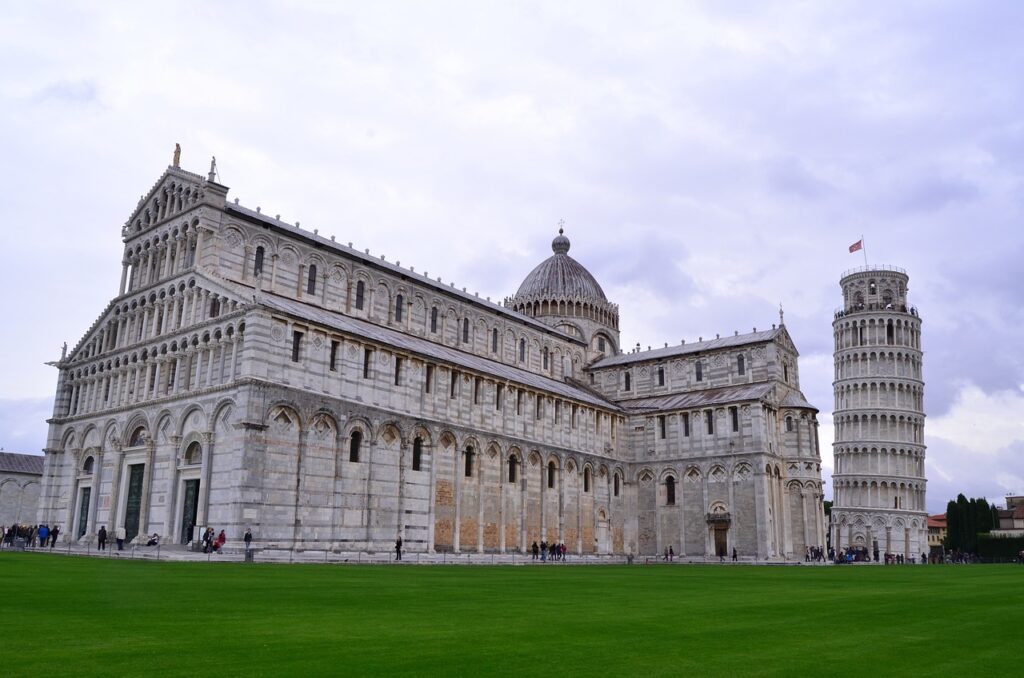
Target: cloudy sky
x=711 y=161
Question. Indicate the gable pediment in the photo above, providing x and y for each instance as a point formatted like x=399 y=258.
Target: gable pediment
x=175 y=192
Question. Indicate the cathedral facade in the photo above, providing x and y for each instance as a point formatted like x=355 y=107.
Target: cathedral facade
x=252 y=374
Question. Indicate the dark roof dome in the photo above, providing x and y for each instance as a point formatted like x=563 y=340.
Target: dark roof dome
x=561 y=276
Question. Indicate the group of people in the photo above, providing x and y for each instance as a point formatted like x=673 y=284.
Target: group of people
x=34 y=535
x=546 y=551
x=211 y=543
x=814 y=554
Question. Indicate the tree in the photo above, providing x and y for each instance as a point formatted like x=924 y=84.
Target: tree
x=965 y=520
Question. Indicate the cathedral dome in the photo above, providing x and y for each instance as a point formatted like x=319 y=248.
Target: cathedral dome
x=561 y=276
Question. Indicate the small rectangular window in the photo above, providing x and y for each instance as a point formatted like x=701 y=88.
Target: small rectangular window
x=519 y=402
x=367 y=361
x=686 y=424
x=558 y=411
x=700 y=371
x=498 y=392
x=539 y=406
x=469 y=462
x=398 y=371
x=454 y=384
x=428 y=382
x=296 y=345
x=334 y=356
x=741 y=365
x=661 y=376
x=477 y=383
x=710 y=416
x=575 y=410
x=734 y=412
x=661 y=426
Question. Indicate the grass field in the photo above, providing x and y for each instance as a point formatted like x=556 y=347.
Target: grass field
x=71 y=615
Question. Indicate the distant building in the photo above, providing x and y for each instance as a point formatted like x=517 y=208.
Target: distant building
x=20 y=475
x=1011 y=519
x=936 y=531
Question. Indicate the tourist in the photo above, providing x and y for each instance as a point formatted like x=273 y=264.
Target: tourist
x=247 y=539
x=734 y=554
x=221 y=540
x=44 y=535
x=101 y=538
x=398 y=548
x=119 y=536
x=535 y=550
x=53 y=535
x=543 y=550
x=671 y=554
x=154 y=540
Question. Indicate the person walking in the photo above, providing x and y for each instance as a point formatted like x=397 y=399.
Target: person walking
x=119 y=535
x=101 y=538
x=535 y=550
x=734 y=554
x=398 y=548
x=53 y=535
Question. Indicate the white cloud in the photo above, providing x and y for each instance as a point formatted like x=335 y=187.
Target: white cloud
x=984 y=423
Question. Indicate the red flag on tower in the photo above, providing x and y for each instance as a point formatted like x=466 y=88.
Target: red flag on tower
x=856 y=246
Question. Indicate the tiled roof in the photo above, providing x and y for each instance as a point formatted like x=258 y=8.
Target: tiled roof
x=938 y=520
x=11 y=462
x=711 y=396
x=685 y=349
x=429 y=349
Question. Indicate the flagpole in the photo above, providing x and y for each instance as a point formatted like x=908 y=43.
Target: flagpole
x=864 y=247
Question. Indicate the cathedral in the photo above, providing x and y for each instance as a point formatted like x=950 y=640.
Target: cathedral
x=252 y=374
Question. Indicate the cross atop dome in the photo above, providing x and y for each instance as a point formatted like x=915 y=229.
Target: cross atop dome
x=560 y=245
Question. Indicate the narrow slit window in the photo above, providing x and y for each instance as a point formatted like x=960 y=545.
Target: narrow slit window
x=417 y=454
x=734 y=413
x=477 y=383
x=257 y=266
x=494 y=341
x=710 y=416
x=428 y=380
x=367 y=362
x=661 y=376
x=469 y=462
x=465 y=330
x=741 y=366
x=628 y=382
x=670 y=491
x=311 y=280
x=399 y=307
x=499 y=390
x=333 y=365
x=354 y=444
x=686 y=424
x=398 y=371
x=661 y=426
x=522 y=350
x=454 y=385
x=512 y=462
x=700 y=370
x=296 y=345
x=433 y=319
x=551 y=474
x=360 y=295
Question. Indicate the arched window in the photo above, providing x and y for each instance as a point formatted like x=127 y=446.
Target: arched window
x=522 y=350
x=465 y=330
x=138 y=437
x=87 y=467
x=890 y=334
x=494 y=341
x=789 y=424
x=433 y=319
x=551 y=474
x=417 y=454
x=615 y=484
x=194 y=454
x=628 y=382
x=700 y=370
x=360 y=294
x=311 y=280
x=586 y=480
x=872 y=287
x=544 y=357
x=257 y=266
x=600 y=344
x=670 y=491
x=469 y=461
x=741 y=365
x=512 y=468
x=214 y=308
x=354 y=444
x=399 y=306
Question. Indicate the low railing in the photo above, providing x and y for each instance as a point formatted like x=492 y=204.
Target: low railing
x=876 y=267
x=874 y=308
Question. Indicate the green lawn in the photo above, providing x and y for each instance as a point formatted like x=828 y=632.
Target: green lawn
x=70 y=615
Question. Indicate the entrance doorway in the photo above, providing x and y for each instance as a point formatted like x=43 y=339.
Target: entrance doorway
x=189 y=510
x=721 y=540
x=83 y=512
x=134 y=503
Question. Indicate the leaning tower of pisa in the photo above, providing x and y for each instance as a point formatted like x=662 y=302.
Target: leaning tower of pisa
x=878 y=481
